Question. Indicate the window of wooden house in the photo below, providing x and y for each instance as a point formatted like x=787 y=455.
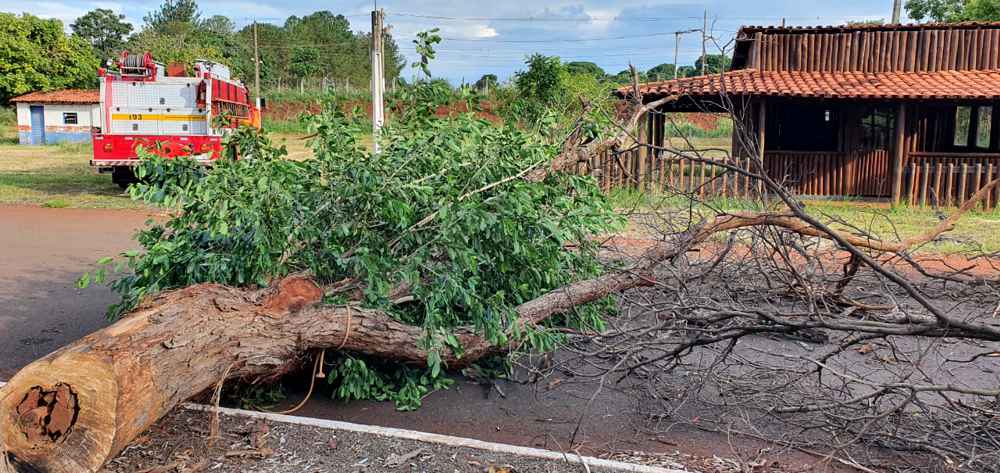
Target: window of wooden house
x=963 y=124
x=70 y=118
x=984 y=126
x=803 y=127
x=878 y=125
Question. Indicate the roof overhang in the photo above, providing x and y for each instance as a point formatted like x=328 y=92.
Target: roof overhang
x=942 y=85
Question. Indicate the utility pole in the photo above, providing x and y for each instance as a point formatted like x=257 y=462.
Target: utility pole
x=677 y=46
x=704 y=39
x=897 y=6
x=256 y=66
x=378 y=83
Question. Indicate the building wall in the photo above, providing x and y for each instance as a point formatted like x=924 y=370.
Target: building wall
x=56 y=131
x=903 y=49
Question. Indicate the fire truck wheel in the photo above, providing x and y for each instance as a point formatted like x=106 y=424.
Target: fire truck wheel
x=123 y=176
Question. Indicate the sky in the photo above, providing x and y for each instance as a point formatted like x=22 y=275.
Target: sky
x=495 y=36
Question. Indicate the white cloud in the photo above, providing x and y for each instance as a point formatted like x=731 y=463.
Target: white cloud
x=601 y=19
x=469 y=31
x=62 y=11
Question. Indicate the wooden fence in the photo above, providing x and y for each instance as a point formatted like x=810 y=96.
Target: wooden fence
x=855 y=174
x=653 y=172
x=935 y=179
x=949 y=179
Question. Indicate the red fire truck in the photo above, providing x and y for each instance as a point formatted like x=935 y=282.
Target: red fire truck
x=166 y=111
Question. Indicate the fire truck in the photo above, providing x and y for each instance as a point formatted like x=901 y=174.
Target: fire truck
x=166 y=111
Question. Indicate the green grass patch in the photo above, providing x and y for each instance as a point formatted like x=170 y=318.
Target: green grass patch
x=56 y=176
x=57 y=204
x=977 y=232
x=679 y=127
x=8 y=126
x=284 y=126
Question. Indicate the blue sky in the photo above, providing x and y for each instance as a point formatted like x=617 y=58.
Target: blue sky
x=494 y=36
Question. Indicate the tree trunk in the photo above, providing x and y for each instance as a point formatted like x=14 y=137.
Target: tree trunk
x=78 y=407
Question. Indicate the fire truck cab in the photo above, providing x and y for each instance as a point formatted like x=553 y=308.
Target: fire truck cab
x=165 y=111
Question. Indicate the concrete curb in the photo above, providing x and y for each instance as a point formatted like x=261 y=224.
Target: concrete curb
x=439 y=439
x=436 y=438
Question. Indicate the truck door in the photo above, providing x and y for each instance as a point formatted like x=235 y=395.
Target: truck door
x=37 y=125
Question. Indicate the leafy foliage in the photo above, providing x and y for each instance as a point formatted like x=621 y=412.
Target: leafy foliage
x=714 y=63
x=36 y=54
x=173 y=12
x=424 y=45
x=548 y=98
x=954 y=10
x=487 y=82
x=585 y=67
x=104 y=29
x=442 y=209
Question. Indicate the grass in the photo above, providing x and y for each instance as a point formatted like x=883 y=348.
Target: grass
x=56 y=176
x=976 y=232
x=60 y=176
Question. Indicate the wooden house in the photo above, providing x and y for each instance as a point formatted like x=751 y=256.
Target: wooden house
x=902 y=112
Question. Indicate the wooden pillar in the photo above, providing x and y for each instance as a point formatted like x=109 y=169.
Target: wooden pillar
x=900 y=154
x=761 y=135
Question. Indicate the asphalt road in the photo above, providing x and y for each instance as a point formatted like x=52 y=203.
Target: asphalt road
x=42 y=253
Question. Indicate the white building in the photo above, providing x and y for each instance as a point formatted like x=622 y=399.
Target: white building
x=57 y=116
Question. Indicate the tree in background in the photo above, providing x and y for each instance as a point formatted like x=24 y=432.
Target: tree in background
x=715 y=63
x=173 y=12
x=661 y=72
x=176 y=33
x=542 y=82
x=487 y=82
x=305 y=62
x=954 y=10
x=343 y=55
x=36 y=54
x=625 y=77
x=104 y=29
x=218 y=25
x=585 y=67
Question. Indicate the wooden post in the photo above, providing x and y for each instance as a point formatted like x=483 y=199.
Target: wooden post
x=378 y=83
x=704 y=38
x=677 y=46
x=761 y=126
x=900 y=154
x=256 y=67
x=896 y=10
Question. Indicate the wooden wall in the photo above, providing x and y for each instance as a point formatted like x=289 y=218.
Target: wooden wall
x=917 y=50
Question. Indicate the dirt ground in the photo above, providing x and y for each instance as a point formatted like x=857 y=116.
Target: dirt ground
x=181 y=443
x=45 y=250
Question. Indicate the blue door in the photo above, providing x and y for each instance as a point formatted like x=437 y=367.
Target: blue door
x=37 y=125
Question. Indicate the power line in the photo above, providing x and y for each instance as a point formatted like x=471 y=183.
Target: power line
x=555 y=40
x=540 y=19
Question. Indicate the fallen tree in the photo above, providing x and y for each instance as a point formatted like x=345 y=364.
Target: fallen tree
x=414 y=256
x=78 y=407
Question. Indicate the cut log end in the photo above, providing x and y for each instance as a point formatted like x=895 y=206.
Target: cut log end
x=62 y=406
x=47 y=415
x=291 y=295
